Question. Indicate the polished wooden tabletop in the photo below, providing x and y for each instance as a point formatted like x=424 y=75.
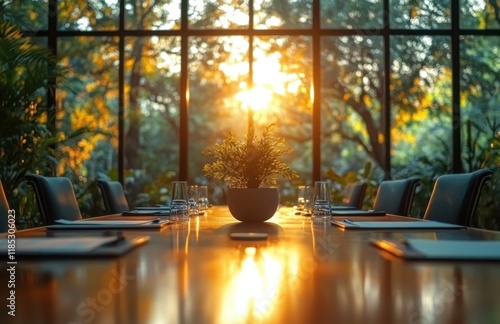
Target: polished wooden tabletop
x=305 y=272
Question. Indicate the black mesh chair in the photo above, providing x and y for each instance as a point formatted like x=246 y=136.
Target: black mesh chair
x=396 y=196
x=455 y=196
x=353 y=196
x=55 y=198
x=4 y=210
x=113 y=196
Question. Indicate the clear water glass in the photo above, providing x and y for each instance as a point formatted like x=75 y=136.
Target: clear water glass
x=308 y=201
x=300 y=199
x=304 y=200
x=193 y=200
x=179 y=206
x=202 y=199
x=321 y=209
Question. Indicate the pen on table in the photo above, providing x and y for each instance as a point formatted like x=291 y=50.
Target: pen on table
x=155 y=221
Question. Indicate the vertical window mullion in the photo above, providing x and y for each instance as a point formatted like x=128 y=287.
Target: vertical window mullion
x=455 y=63
x=386 y=105
x=184 y=100
x=121 y=91
x=52 y=45
x=316 y=118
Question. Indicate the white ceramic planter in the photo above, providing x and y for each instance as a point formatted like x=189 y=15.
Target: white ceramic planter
x=253 y=204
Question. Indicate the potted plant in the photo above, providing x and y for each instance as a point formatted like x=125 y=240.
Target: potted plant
x=252 y=167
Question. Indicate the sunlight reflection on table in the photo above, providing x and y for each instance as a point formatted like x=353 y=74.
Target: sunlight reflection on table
x=254 y=282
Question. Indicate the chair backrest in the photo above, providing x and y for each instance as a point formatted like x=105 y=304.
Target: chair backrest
x=354 y=193
x=55 y=198
x=4 y=210
x=113 y=196
x=396 y=196
x=455 y=196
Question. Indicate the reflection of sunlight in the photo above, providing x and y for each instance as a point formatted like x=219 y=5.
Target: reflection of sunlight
x=253 y=285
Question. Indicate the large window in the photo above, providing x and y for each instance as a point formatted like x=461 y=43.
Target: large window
x=409 y=87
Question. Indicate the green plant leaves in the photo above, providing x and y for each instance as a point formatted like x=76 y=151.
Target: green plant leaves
x=251 y=162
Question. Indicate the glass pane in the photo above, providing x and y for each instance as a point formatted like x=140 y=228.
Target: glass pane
x=152 y=15
x=480 y=14
x=293 y=14
x=217 y=14
x=480 y=115
x=152 y=109
x=88 y=15
x=480 y=94
x=218 y=69
x=408 y=14
x=27 y=15
x=352 y=14
x=352 y=72
x=220 y=97
x=480 y=118
x=421 y=106
x=87 y=96
x=283 y=88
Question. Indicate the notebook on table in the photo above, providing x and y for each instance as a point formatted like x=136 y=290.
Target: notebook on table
x=153 y=208
x=147 y=212
x=441 y=249
x=73 y=246
x=390 y=224
x=151 y=223
x=341 y=207
x=357 y=212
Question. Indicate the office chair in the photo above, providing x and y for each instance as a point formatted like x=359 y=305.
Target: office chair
x=396 y=196
x=114 y=197
x=55 y=198
x=454 y=197
x=4 y=210
x=353 y=196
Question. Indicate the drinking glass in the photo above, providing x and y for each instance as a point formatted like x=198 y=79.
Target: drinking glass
x=202 y=199
x=304 y=205
x=300 y=199
x=179 y=207
x=193 y=200
x=321 y=209
x=308 y=201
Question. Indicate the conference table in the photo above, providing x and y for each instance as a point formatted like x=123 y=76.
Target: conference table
x=303 y=272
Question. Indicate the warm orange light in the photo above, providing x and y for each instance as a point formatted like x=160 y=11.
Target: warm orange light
x=269 y=82
x=252 y=287
x=258 y=98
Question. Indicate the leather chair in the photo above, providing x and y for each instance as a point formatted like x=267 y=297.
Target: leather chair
x=4 y=210
x=454 y=197
x=396 y=196
x=55 y=198
x=114 y=197
x=353 y=196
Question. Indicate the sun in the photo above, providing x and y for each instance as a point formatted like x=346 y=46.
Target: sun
x=268 y=81
x=257 y=98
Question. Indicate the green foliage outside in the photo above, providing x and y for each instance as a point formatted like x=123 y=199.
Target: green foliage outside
x=352 y=74
x=26 y=143
x=29 y=142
